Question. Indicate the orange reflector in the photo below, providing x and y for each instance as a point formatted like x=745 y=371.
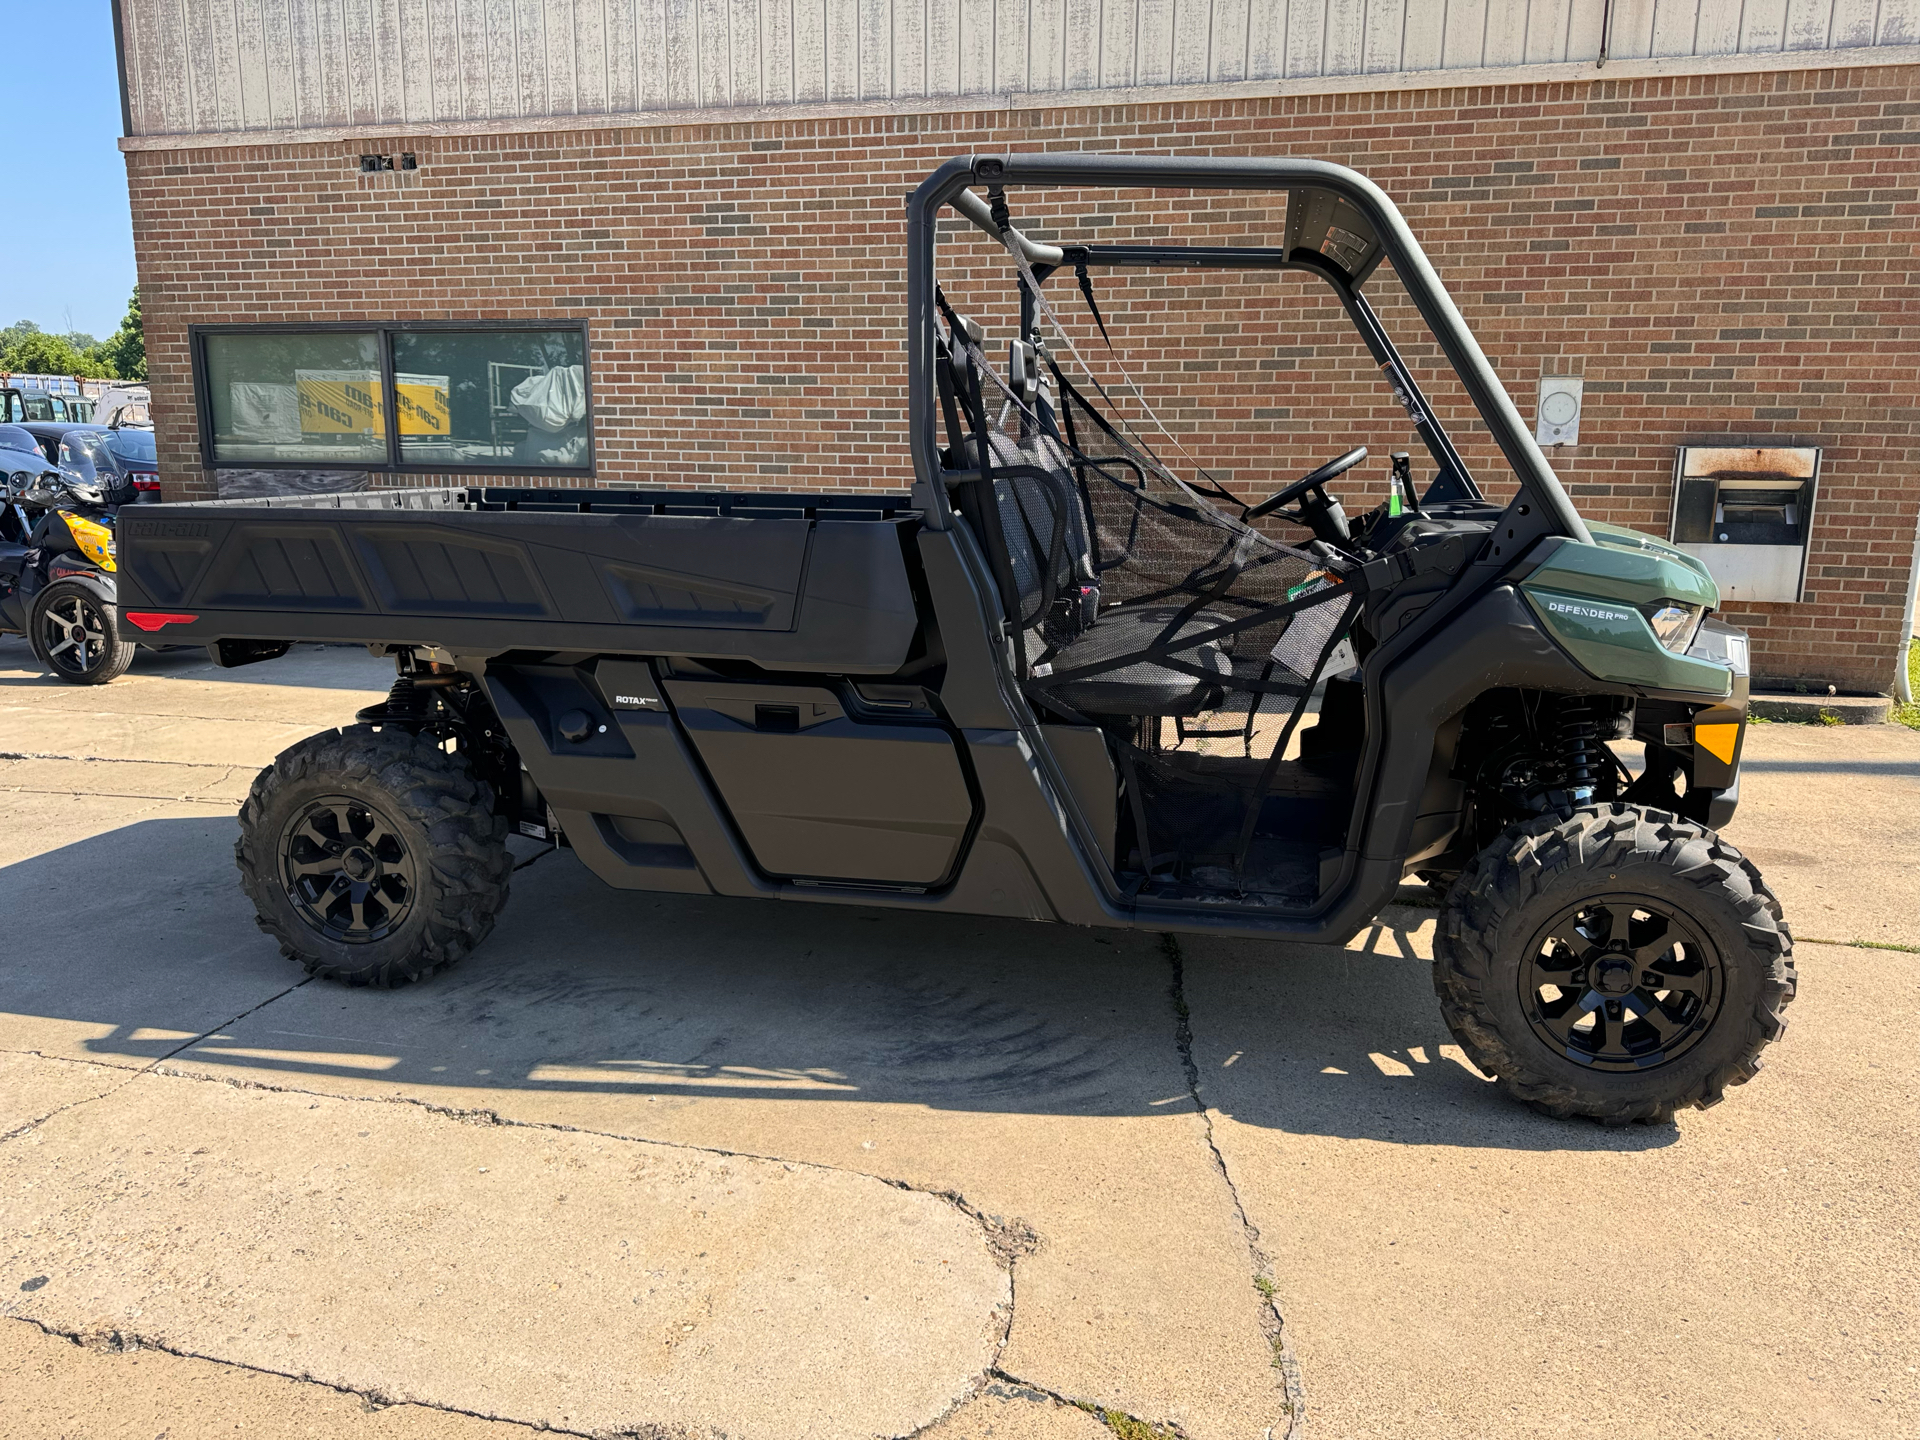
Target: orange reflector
x=1717 y=740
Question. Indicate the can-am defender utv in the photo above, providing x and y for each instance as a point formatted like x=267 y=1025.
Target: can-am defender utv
x=982 y=697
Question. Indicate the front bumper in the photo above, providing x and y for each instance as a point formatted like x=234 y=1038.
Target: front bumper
x=1706 y=741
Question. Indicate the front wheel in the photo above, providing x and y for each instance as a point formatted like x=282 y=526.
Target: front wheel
x=75 y=634
x=1618 y=963
x=373 y=856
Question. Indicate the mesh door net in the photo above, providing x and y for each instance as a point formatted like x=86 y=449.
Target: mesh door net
x=1143 y=607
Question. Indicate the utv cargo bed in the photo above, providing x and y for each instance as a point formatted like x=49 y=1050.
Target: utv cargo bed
x=796 y=582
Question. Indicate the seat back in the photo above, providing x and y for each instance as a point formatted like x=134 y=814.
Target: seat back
x=1045 y=526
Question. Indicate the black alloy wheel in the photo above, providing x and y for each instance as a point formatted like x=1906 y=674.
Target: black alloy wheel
x=1621 y=983
x=347 y=871
x=74 y=634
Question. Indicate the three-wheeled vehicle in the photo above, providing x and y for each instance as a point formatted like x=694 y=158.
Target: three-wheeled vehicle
x=991 y=695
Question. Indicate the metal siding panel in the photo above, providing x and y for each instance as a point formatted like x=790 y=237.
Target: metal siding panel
x=249 y=43
x=1809 y=22
x=1717 y=29
x=1547 y=24
x=1188 y=58
x=843 y=49
x=1046 y=45
x=358 y=64
x=413 y=56
x=1583 y=31
x=910 y=47
x=975 y=41
x=1118 y=63
x=1763 y=25
x=1632 y=30
x=1464 y=35
x=1425 y=36
x=1899 y=22
x=276 y=35
x=873 y=26
x=196 y=30
x=1306 y=20
x=1228 y=45
x=1854 y=23
x=713 y=66
x=1343 y=48
x=1010 y=46
x=1674 y=25
x=620 y=82
x=943 y=47
x=809 y=50
x=1386 y=27
x=776 y=50
x=531 y=95
x=559 y=27
x=1505 y=36
x=390 y=61
x=650 y=54
x=1153 y=43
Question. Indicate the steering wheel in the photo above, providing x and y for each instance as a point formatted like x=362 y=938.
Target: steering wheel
x=1307 y=483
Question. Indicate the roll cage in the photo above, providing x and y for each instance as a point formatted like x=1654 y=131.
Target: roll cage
x=1339 y=226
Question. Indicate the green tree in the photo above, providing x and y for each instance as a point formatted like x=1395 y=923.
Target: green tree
x=124 y=353
x=39 y=353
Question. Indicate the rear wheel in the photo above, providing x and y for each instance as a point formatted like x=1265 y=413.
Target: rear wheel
x=1617 y=963
x=76 y=635
x=373 y=856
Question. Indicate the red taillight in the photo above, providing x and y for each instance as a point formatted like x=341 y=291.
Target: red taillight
x=151 y=620
x=146 y=483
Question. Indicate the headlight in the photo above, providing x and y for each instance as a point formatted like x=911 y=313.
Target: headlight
x=1675 y=623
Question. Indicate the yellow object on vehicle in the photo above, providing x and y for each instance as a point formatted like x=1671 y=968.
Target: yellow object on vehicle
x=94 y=539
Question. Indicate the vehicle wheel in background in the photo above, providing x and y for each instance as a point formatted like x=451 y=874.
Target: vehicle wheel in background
x=373 y=856
x=76 y=635
x=1617 y=963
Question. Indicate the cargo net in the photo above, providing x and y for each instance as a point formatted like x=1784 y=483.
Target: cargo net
x=1145 y=607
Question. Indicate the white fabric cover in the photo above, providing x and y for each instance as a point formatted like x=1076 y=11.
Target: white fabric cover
x=552 y=401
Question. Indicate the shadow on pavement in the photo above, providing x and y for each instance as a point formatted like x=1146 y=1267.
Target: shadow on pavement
x=127 y=946
x=324 y=667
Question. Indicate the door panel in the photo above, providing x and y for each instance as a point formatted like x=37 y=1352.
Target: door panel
x=819 y=793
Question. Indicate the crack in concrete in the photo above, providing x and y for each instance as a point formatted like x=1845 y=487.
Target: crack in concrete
x=1273 y=1323
x=121 y=1342
x=134 y=1073
x=123 y=760
x=1007 y=1240
x=1121 y=1422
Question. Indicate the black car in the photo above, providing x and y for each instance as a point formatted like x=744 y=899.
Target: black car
x=123 y=462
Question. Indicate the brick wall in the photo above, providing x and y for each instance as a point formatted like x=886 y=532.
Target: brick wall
x=1725 y=258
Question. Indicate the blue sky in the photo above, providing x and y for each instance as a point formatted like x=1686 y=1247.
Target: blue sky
x=68 y=242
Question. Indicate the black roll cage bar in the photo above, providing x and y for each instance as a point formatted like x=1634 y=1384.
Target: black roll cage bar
x=1345 y=259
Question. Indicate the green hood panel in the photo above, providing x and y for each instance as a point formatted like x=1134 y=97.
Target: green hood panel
x=1618 y=537
x=1589 y=597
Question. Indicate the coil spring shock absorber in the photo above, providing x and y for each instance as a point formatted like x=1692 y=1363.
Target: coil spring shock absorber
x=1579 y=748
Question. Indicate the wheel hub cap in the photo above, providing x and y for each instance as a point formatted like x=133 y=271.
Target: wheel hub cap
x=347 y=870
x=1613 y=976
x=1621 y=983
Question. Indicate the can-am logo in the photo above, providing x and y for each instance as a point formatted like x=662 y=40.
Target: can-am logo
x=1585 y=612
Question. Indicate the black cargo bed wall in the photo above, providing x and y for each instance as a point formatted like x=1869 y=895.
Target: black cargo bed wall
x=790 y=582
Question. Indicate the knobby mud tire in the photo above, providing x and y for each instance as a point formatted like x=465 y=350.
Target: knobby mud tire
x=1535 y=868
x=445 y=815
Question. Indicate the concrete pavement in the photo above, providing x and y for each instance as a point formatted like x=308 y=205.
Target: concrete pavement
x=900 y=1174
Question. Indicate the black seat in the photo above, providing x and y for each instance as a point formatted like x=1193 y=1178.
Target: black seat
x=1146 y=687
x=1054 y=616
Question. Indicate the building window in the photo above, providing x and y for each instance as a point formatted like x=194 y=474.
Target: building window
x=414 y=397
